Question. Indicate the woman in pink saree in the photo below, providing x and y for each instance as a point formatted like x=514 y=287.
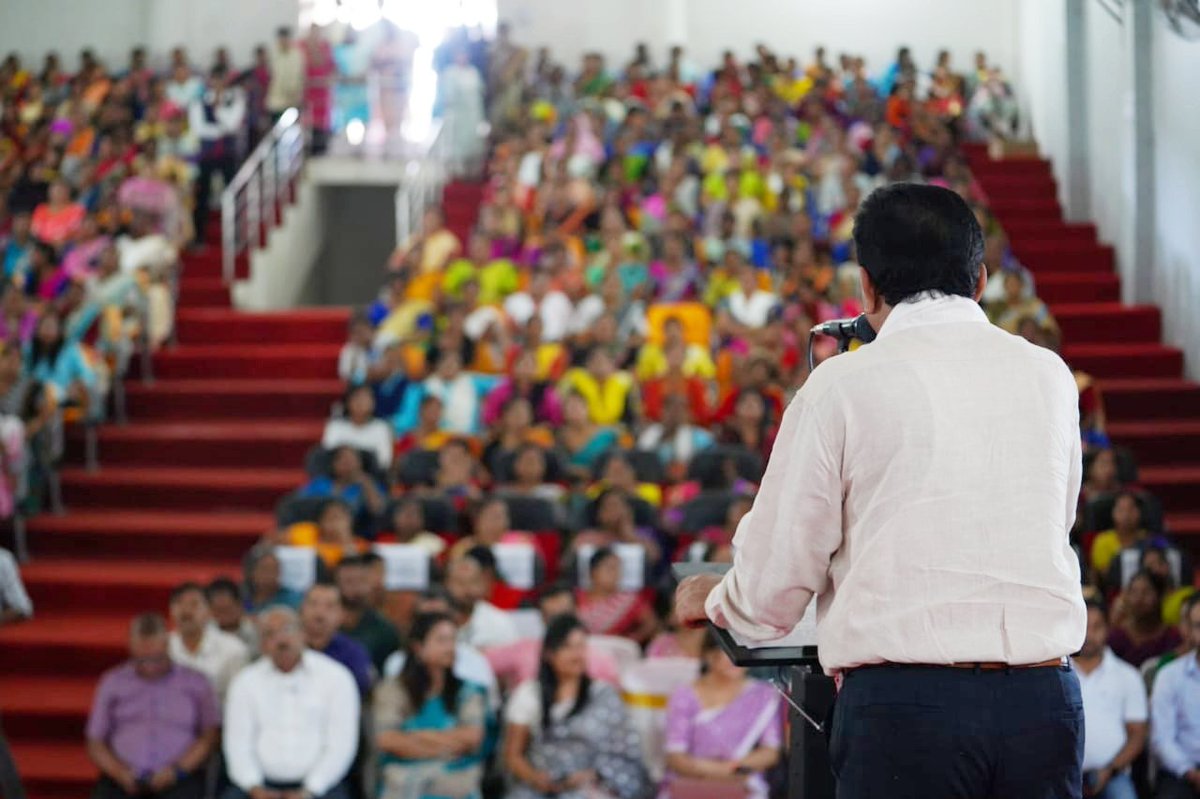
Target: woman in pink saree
x=319 y=72
x=723 y=728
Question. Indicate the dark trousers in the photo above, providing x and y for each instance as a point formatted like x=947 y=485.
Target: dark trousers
x=336 y=792
x=224 y=164
x=191 y=787
x=1172 y=787
x=942 y=733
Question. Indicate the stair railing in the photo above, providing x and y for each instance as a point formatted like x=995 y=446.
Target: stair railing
x=259 y=190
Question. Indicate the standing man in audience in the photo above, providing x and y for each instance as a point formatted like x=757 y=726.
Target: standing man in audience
x=481 y=624
x=153 y=723
x=360 y=621
x=1175 y=715
x=197 y=643
x=292 y=719
x=217 y=118
x=228 y=611
x=286 y=89
x=320 y=618
x=1114 y=711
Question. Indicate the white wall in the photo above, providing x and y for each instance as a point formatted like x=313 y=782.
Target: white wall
x=872 y=28
x=1040 y=73
x=1176 y=277
x=111 y=27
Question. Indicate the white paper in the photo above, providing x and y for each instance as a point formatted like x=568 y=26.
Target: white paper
x=297 y=567
x=803 y=634
x=633 y=565
x=405 y=567
x=516 y=563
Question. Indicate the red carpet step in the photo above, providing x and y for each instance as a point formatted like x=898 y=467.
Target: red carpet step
x=245 y=399
x=249 y=444
x=223 y=361
x=154 y=535
x=198 y=489
x=226 y=326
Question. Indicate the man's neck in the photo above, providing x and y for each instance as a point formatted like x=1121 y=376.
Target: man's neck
x=352 y=616
x=192 y=638
x=319 y=644
x=1088 y=663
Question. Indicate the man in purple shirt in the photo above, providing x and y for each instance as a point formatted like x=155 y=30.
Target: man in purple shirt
x=153 y=723
x=321 y=618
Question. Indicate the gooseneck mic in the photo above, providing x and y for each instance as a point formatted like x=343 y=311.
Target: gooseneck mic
x=844 y=330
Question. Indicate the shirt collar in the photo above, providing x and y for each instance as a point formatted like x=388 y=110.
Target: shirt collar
x=932 y=309
x=1192 y=669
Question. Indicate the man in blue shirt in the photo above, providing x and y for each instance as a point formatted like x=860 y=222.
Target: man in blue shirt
x=1175 y=715
x=320 y=618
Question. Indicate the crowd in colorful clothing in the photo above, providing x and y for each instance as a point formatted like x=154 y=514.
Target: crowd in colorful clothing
x=540 y=419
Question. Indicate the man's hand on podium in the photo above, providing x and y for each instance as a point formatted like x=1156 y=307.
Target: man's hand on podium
x=690 y=597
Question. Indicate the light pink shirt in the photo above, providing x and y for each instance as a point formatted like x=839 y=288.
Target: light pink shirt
x=924 y=486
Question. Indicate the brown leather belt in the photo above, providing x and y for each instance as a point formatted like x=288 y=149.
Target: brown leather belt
x=990 y=665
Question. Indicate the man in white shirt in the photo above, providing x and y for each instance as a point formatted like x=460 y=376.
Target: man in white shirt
x=286 y=89
x=15 y=604
x=291 y=719
x=1115 y=713
x=481 y=624
x=1175 y=711
x=552 y=307
x=217 y=118
x=924 y=486
x=196 y=641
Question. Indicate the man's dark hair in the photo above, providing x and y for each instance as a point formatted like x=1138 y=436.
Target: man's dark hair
x=185 y=588
x=1095 y=603
x=147 y=625
x=913 y=238
x=554 y=589
x=484 y=557
x=223 y=585
x=370 y=558
x=350 y=562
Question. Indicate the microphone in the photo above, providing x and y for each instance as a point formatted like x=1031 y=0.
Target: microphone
x=847 y=329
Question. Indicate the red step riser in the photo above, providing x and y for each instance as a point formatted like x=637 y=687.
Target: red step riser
x=63 y=659
x=43 y=727
x=1132 y=406
x=1129 y=329
x=1166 y=449
x=1052 y=293
x=149 y=406
x=148 y=547
x=204 y=298
x=1175 y=497
x=168 y=366
x=256 y=331
x=1097 y=261
x=251 y=454
x=212 y=269
x=1158 y=364
x=214 y=497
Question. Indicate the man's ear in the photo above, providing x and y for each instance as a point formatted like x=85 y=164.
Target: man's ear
x=981 y=282
x=872 y=302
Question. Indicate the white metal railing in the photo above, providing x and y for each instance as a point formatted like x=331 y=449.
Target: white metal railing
x=258 y=191
x=426 y=177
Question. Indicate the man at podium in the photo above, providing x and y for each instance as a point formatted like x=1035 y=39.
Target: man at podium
x=924 y=486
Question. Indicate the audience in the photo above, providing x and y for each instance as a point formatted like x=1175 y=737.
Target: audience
x=360 y=621
x=153 y=723
x=566 y=734
x=1126 y=532
x=1115 y=713
x=605 y=609
x=1175 y=716
x=1138 y=632
x=291 y=719
x=263 y=586
x=481 y=624
x=225 y=605
x=199 y=644
x=428 y=724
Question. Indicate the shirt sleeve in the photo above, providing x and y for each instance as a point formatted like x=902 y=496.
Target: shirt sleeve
x=240 y=733
x=341 y=734
x=681 y=716
x=100 y=720
x=12 y=590
x=1137 y=708
x=783 y=546
x=525 y=705
x=1164 y=730
x=208 y=715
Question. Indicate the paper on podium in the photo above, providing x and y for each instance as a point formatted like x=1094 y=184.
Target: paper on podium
x=803 y=634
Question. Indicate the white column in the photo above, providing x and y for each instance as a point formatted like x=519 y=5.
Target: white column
x=1137 y=270
x=1077 y=173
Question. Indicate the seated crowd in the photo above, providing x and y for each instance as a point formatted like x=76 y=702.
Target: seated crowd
x=470 y=595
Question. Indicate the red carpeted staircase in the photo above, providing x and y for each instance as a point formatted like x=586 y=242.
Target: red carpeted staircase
x=183 y=491
x=1151 y=408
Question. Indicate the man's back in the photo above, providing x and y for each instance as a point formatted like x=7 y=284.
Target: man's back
x=945 y=416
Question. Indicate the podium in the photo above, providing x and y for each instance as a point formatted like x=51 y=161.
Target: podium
x=797 y=675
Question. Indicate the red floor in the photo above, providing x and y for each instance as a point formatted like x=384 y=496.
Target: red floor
x=1151 y=408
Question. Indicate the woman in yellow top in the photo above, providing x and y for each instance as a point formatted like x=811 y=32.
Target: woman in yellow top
x=608 y=392
x=1127 y=531
x=427 y=253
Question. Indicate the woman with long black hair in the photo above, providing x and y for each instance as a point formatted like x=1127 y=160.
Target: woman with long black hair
x=428 y=724
x=568 y=735
x=54 y=360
